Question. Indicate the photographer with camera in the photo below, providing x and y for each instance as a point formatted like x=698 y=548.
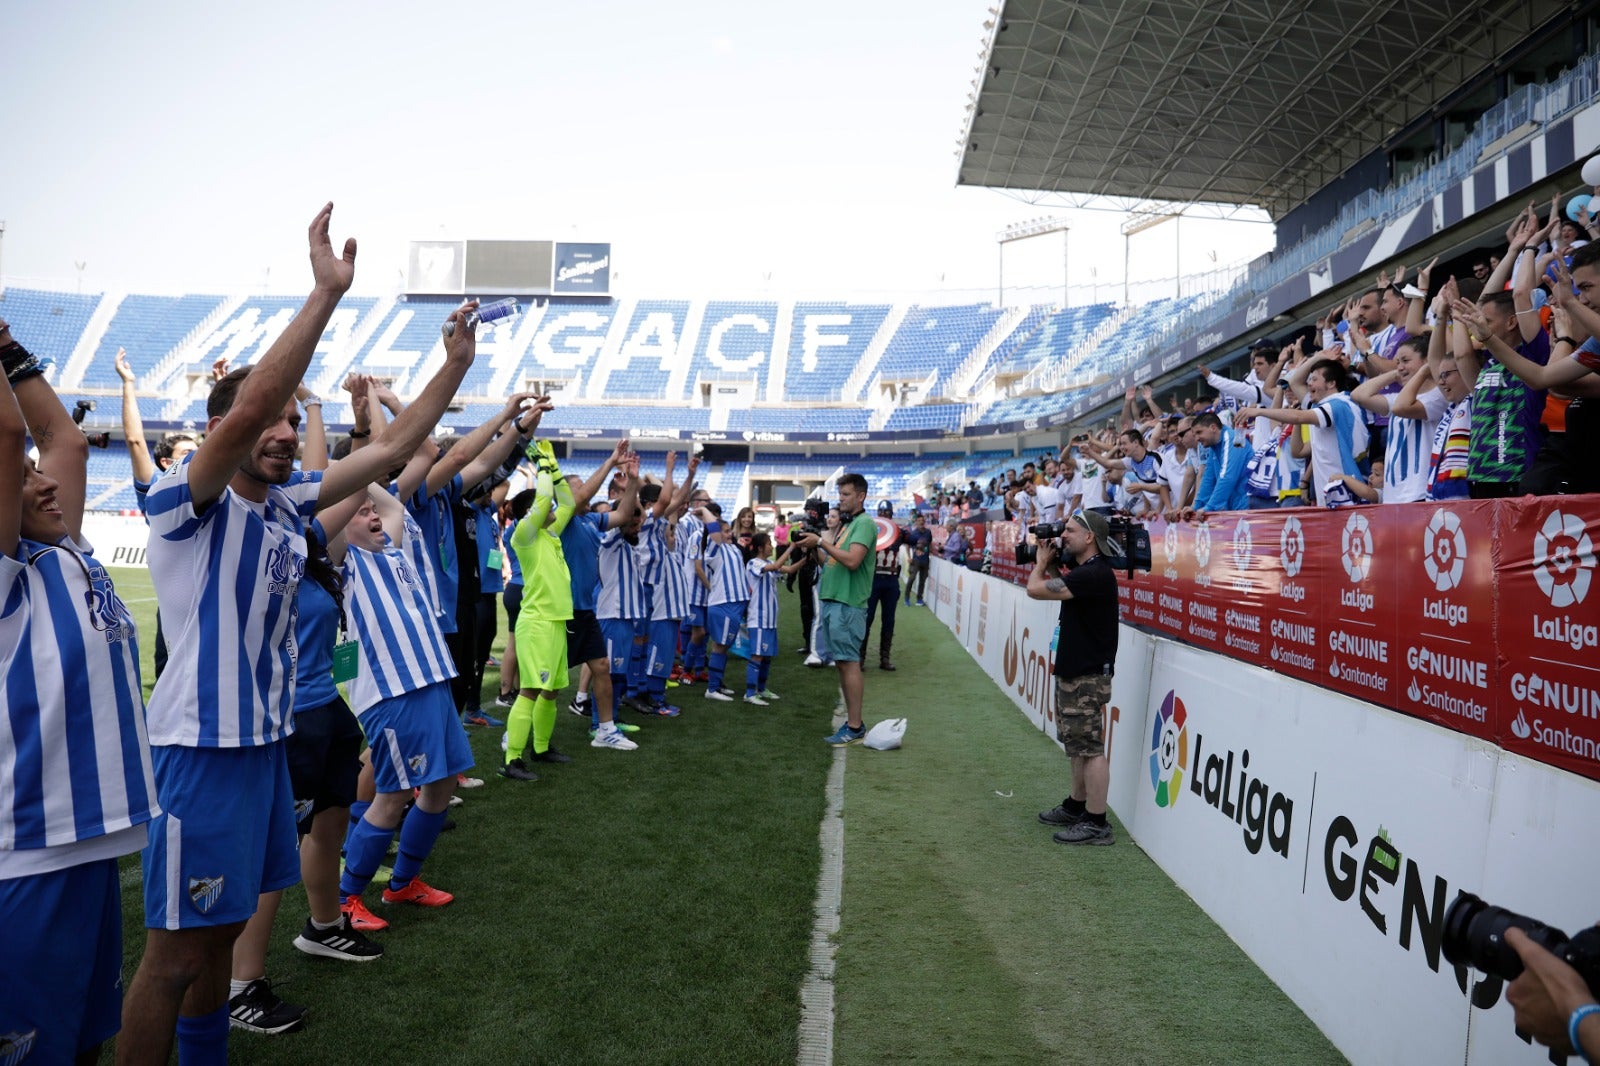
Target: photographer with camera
x=1086 y=655
x=1553 y=1003
x=845 y=586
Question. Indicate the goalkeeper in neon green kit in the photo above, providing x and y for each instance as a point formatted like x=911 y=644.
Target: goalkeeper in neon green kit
x=542 y=622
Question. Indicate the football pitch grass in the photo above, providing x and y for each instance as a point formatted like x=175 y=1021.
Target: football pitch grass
x=657 y=906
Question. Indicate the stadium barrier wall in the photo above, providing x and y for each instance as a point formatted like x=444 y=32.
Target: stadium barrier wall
x=118 y=540
x=1325 y=834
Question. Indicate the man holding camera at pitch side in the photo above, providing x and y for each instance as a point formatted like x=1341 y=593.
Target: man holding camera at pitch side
x=1553 y=1004
x=845 y=586
x=1086 y=655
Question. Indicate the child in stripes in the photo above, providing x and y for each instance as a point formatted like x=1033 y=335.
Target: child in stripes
x=762 y=616
x=722 y=570
x=402 y=696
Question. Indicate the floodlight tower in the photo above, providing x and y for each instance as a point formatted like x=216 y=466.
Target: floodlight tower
x=1021 y=231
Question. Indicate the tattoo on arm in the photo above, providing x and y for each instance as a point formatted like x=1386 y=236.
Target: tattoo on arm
x=1055 y=584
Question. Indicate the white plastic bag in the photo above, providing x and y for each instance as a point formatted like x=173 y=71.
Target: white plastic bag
x=886 y=735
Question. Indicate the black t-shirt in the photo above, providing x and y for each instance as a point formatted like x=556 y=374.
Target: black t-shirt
x=1088 y=642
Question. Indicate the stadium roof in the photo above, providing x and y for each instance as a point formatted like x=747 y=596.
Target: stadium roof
x=1220 y=101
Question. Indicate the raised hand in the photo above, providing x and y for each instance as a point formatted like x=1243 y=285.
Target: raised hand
x=124 y=371
x=1515 y=228
x=1425 y=275
x=1383 y=279
x=333 y=274
x=219 y=369
x=1399 y=274
x=460 y=343
x=1470 y=315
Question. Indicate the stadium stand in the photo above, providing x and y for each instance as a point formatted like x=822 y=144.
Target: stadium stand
x=826 y=343
x=933 y=341
x=53 y=321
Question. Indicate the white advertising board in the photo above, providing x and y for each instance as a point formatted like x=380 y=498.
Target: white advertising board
x=1326 y=835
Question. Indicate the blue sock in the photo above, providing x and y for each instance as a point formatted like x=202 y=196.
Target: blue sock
x=752 y=677
x=766 y=668
x=363 y=854
x=619 y=686
x=203 y=1038
x=695 y=658
x=357 y=809
x=636 y=670
x=418 y=833
x=719 y=666
x=658 y=689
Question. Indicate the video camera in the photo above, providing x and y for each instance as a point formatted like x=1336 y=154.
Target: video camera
x=815 y=521
x=96 y=440
x=1127 y=534
x=1474 y=935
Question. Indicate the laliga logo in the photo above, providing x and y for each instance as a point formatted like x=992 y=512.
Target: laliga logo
x=1169 y=750
x=1355 y=548
x=1243 y=545
x=1170 y=543
x=1563 y=560
x=1202 y=545
x=1444 y=550
x=1292 y=546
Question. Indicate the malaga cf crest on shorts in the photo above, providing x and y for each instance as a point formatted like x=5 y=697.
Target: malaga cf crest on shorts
x=418 y=764
x=204 y=893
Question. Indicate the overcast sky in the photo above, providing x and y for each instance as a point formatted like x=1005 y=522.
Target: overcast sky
x=185 y=145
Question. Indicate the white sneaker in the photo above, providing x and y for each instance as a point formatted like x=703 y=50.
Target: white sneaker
x=456 y=801
x=755 y=700
x=613 y=738
x=720 y=694
x=463 y=781
x=813 y=660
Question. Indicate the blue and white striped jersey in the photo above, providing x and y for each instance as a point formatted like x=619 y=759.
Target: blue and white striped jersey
x=651 y=551
x=74 y=757
x=763 y=613
x=621 y=595
x=1408 y=449
x=402 y=648
x=672 y=591
x=226 y=582
x=724 y=565
x=691 y=544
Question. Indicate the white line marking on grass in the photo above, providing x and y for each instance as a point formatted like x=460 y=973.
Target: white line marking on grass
x=816 y=994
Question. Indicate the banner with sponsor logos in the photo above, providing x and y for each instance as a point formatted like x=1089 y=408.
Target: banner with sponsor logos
x=1474 y=615
x=1326 y=835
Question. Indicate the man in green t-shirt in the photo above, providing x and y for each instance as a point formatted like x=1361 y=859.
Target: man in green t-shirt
x=844 y=589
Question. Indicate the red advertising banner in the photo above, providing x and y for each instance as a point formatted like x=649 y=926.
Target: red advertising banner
x=1292 y=567
x=1447 y=670
x=1360 y=594
x=1548 y=687
x=1475 y=615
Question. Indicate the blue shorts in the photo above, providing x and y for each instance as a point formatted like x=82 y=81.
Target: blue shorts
x=697 y=616
x=663 y=647
x=60 y=962
x=723 y=621
x=843 y=628
x=226 y=834
x=619 y=634
x=416 y=739
x=763 y=642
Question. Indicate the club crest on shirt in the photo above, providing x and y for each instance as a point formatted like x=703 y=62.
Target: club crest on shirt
x=544 y=675
x=109 y=613
x=418 y=764
x=204 y=893
x=302 y=809
x=284 y=567
x=402 y=570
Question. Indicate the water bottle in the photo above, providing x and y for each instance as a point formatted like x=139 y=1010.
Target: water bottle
x=490 y=312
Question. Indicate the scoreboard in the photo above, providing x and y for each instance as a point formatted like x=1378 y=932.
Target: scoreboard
x=509 y=268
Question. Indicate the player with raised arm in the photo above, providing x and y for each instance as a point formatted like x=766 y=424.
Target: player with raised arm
x=227 y=550
x=76 y=784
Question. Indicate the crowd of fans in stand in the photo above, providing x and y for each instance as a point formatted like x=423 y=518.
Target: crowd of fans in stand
x=1416 y=389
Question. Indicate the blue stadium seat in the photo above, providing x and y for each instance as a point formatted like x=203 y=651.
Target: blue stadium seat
x=644 y=358
x=826 y=341
x=148 y=327
x=48 y=324
x=935 y=338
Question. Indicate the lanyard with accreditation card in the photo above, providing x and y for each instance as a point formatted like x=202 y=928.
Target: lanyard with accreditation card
x=347 y=652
